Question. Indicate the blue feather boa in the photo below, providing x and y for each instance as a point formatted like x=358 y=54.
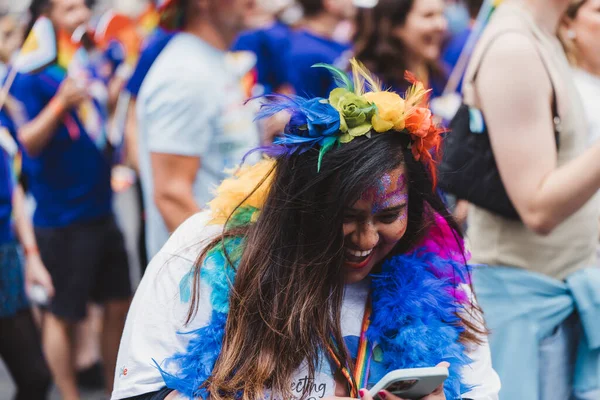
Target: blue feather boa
x=414 y=318
x=413 y=323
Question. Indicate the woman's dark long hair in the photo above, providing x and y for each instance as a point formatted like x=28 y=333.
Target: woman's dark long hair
x=383 y=53
x=287 y=296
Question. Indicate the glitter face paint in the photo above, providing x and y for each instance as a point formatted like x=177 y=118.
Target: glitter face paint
x=386 y=193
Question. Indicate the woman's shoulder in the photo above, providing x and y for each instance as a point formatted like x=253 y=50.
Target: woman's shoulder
x=171 y=270
x=166 y=288
x=192 y=236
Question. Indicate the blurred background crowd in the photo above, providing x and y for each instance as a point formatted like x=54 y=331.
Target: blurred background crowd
x=119 y=117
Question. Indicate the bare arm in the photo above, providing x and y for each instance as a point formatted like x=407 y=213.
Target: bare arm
x=36 y=134
x=131 y=136
x=35 y=272
x=174 y=177
x=515 y=93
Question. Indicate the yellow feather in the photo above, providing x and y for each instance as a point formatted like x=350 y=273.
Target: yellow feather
x=247 y=186
x=361 y=76
x=415 y=95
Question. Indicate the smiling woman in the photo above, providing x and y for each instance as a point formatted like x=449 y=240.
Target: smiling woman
x=399 y=35
x=317 y=271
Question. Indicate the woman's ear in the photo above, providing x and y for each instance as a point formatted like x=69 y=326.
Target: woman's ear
x=568 y=37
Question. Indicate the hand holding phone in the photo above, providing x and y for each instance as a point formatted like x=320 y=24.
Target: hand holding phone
x=413 y=383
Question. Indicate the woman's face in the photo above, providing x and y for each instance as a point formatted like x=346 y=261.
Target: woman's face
x=586 y=27
x=68 y=15
x=374 y=224
x=424 y=29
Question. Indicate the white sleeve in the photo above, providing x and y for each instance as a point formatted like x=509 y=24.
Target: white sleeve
x=178 y=112
x=159 y=310
x=480 y=375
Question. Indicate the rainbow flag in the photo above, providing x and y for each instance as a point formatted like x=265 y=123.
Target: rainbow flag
x=39 y=49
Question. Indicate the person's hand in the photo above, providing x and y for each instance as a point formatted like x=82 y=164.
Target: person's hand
x=437 y=394
x=71 y=93
x=37 y=274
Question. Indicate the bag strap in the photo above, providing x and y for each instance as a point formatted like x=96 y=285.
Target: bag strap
x=554 y=105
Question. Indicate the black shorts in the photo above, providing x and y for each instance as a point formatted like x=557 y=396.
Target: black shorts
x=87 y=262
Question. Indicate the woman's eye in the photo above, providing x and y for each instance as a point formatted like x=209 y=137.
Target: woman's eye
x=389 y=218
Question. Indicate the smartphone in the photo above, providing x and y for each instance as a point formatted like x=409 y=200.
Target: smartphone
x=411 y=383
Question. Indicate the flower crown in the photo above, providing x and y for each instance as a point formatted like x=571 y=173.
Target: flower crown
x=352 y=111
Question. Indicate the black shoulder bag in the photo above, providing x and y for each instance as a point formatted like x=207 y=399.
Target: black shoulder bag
x=468 y=168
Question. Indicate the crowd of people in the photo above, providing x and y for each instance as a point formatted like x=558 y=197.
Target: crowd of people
x=287 y=172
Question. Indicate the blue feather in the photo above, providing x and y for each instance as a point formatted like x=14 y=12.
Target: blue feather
x=420 y=328
x=276 y=103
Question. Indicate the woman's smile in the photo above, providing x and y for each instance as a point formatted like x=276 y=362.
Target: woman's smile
x=358 y=259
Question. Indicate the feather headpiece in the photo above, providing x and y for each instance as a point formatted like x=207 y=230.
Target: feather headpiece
x=357 y=107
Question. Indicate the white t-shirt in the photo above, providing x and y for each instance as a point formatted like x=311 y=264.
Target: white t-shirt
x=159 y=310
x=191 y=103
x=588 y=86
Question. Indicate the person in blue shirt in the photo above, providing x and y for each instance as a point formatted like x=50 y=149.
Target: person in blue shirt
x=313 y=43
x=269 y=44
x=69 y=177
x=20 y=347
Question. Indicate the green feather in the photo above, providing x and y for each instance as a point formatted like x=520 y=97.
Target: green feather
x=326 y=145
x=341 y=78
x=241 y=217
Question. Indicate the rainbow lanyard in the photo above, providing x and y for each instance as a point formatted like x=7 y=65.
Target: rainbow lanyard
x=358 y=379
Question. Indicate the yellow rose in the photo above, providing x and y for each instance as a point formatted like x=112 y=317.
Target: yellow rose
x=390 y=111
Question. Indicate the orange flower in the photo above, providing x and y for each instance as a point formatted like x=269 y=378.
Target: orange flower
x=419 y=121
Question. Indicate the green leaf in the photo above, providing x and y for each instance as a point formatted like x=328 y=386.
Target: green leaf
x=326 y=145
x=360 y=130
x=346 y=138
